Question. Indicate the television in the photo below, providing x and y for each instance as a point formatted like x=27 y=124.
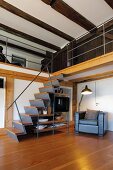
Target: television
x=61 y=104
x=1 y=83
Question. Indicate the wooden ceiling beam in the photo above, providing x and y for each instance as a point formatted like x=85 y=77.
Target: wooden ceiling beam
x=34 y=20
x=63 y=8
x=23 y=49
x=28 y=37
x=110 y=3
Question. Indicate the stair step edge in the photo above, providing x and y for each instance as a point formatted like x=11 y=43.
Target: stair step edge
x=34 y=107
x=15 y=131
x=23 y=123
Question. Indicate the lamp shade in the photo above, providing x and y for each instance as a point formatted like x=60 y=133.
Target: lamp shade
x=86 y=91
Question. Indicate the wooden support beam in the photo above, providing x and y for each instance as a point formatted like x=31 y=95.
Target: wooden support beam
x=20 y=75
x=33 y=20
x=74 y=100
x=110 y=3
x=63 y=8
x=23 y=49
x=9 y=97
x=28 y=37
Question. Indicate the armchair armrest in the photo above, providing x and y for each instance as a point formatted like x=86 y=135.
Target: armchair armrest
x=102 y=123
x=77 y=117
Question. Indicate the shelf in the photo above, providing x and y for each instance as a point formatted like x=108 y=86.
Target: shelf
x=23 y=123
x=51 y=122
x=46 y=115
x=14 y=131
x=61 y=94
x=49 y=129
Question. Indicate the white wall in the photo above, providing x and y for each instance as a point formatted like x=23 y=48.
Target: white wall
x=19 y=86
x=100 y=99
x=2 y=105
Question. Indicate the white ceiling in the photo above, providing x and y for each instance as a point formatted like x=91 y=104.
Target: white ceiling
x=96 y=11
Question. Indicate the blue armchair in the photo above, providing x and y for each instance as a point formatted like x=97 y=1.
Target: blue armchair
x=95 y=126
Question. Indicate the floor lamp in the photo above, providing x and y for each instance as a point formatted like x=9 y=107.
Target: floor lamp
x=85 y=91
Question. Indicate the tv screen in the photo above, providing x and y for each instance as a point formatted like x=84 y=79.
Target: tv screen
x=1 y=83
x=61 y=104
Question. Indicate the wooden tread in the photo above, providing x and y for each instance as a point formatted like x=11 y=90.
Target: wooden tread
x=33 y=107
x=36 y=115
x=46 y=87
x=51 y=80
x=39 y=99
x=14 y=131
x=42 y=93
x=58 y=77
x=23 y=123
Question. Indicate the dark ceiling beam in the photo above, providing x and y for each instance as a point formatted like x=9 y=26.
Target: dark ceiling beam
x=23 y=49
x=28 y=37
x=63 y=8
x=34 y=20
x=110 y=3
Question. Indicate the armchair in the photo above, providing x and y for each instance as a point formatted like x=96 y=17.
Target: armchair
x=97 y=125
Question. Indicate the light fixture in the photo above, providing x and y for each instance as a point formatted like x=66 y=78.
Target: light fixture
x=85 y=91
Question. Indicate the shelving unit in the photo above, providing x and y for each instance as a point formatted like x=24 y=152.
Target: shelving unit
x=51 y=90
x=52 y=123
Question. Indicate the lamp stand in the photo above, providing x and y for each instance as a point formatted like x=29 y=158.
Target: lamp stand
x=80 y=103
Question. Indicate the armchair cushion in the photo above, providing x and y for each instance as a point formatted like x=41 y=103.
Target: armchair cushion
x=88 y=122
x=91 y=114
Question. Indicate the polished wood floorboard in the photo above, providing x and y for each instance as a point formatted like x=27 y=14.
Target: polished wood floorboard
x=58 y=152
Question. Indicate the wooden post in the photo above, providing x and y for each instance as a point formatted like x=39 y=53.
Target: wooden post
x=74 y=105
x=9 y=99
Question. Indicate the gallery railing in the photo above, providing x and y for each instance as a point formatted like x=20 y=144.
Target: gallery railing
x=21 y=54
x=100 y=43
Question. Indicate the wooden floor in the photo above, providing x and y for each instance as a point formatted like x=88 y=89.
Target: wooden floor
x=59 y=151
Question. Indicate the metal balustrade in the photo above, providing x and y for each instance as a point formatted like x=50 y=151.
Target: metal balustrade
x=15 y=49
x=104 y=38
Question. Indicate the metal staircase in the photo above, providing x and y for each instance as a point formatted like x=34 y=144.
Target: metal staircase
x=29 y=120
